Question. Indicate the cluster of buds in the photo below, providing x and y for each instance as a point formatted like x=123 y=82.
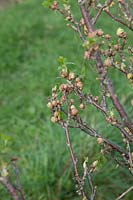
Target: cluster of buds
x=64 y=74
x=98 y=32
x=70 y=77
x=70 y=18
x=60 y=95
x=66 y=88
x=67 y=13
x=55 y=105
x=110 y=52
x=55 y=117
x=78 y=83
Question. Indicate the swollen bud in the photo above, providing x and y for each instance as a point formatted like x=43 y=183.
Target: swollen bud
x=71 y=76
x=53 y=119
x=100 y=140
x=129 y=76
x=74 y=110
x=64 y=73
x=49 y=105
x=107 y=62
x=121 y=33
x=131 y=102
x=82 y=106
x=99 y=32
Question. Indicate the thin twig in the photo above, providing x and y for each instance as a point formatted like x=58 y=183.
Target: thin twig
x=89 y=99
x=94 y=133
x=19 y=187
x=74 y=159
x=118 y=19
x=124 y=193
x=100 y=11
x=93 y=189
x=10 y=188
x=130 y=156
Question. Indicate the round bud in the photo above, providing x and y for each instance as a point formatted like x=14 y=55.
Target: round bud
x=96 y=98
x=107 y=62
x=53 y=119
x=54 y=95
x=64 y=73
x=71 y=76
x=74 y=112
x=125 y=140
x=107 y=36
x=63 y=99
x=99 y=32
x=131 y=102
x=100 y=140
x=56 y=114
x=116 y=47
x=119 y=32
x=63 y=87
x=54 y=103
x=86 y=55
x=92 y=34
x=79 y=85
x=77 y=79
x=72 y=100
x=49 y=105
x=54 y=6
x=82 y=106
x=129 y=76
x=94 y=164
x=102 y=151
x=72 y=107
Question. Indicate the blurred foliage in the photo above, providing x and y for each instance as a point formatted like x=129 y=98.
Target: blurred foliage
x=31 y=40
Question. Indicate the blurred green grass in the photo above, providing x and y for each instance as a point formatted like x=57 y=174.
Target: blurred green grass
x=31 y=40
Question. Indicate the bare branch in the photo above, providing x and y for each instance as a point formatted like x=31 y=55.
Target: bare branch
x=19 y=187
x=124 y=193
x=119 y=20
x=74 y=159
x=130 y=156
x=10 y=188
